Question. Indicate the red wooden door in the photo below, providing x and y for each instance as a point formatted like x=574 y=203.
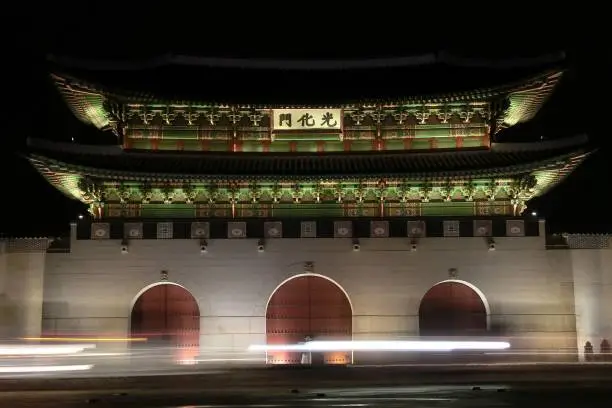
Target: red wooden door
x=168 y=316
x=452 y=309
x=308 y=306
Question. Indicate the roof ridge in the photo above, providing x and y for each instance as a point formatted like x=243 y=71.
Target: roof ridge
x=308 y=64
x=525 y=83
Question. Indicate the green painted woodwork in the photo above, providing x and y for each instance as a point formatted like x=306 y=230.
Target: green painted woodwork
x=302 y=210
x=306 y=146
x=252 y=147
x=442 y=209
x=335 y=147
x=414 y=131
x=180 y=134
x=164 y=210
x=445 y=143
x=471 y=142
x=420 y=144
x=308 y=210
x=137 y=144
x=365 y=190
x=298 y=137
x=279 y=147
x=217 y=146
x=362 y=145
x=417 y=137
x=429 y=131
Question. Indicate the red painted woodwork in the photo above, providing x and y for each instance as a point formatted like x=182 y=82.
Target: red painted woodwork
x=266 y=146
x=236 y=146
x=168 y=316
x=452 y=309
x=308 y=306
x=378 y=144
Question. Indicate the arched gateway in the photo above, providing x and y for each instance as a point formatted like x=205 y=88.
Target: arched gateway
x=453 y=308
x=168 y=316
x=312 y=306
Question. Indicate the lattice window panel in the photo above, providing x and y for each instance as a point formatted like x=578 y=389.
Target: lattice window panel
x=165 y=230
x=451 y=228
x=308 y=229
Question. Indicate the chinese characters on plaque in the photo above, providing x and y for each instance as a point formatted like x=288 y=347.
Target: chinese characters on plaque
x=307 y=119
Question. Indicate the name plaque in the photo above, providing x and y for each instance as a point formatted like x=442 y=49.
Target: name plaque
x=306 y=119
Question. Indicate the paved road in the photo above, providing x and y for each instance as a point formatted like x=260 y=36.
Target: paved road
x=489 y=396
x=254 y=377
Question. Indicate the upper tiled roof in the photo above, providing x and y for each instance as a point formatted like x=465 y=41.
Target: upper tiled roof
x=290 y=82
x=430 y=79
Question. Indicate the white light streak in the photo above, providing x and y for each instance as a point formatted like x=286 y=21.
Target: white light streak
x=18 y=350
x=44 y=369
x=383 y=345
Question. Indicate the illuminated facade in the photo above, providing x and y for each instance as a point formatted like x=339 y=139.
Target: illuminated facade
x=214 y=226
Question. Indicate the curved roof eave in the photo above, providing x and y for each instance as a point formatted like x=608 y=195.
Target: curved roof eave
x=526 y=97
x=51 y=165
x=66 y=177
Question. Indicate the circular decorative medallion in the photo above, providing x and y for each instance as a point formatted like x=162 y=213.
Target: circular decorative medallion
x=379 y=231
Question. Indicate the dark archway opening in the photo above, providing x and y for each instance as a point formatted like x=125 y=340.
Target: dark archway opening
x=168 y=317
x=452 y=308
x=308 y=306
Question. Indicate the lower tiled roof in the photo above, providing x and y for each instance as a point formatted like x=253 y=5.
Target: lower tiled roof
x=497 y=161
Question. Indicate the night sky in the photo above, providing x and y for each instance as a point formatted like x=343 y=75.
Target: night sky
x=30 y=206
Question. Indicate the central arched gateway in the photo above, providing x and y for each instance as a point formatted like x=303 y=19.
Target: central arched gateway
x=168 y=316
x=312 y=306
x=453 y=308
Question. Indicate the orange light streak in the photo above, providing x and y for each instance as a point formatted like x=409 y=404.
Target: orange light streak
x=80 y=339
